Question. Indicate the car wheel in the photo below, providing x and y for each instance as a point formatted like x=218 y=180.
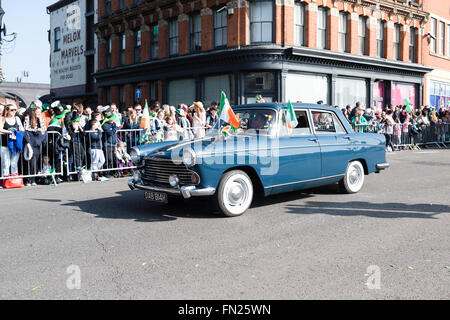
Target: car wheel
x=235 y=193
x=353 y=179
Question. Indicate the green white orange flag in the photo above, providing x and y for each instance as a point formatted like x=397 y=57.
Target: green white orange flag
x=291 y=119
x=145 y=118
x=226 y=113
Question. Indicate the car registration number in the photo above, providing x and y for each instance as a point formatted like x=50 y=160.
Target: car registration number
x=156 y=196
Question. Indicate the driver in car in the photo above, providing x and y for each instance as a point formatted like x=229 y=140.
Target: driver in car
x=258 y=122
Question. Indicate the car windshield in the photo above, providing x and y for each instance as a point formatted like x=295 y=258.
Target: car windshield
x=252 y=121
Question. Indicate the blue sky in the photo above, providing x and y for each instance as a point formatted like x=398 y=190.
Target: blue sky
x=29 y=19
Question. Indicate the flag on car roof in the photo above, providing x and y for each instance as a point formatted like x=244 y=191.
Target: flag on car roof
x=291 y=118
x=226 y=113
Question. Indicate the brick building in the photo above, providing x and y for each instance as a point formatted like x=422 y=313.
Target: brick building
x=337 y=51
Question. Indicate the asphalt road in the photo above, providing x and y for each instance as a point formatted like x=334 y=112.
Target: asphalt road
x=304 y=245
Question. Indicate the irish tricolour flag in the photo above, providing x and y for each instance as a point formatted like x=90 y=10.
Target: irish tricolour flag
x=226 y=113
x=291 y=119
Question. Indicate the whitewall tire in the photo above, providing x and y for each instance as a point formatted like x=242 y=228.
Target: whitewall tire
x=235 y=193
x=353 y=180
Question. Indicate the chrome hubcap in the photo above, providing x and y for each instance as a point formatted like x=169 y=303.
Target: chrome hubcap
x=237 y=192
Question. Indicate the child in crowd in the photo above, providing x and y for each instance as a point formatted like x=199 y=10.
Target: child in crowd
x=396 y=137
x=46 y=168
x=96 y=152
x=171 y=130
x=123 y=158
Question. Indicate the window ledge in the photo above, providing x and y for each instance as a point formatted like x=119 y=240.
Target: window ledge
x=436 y=55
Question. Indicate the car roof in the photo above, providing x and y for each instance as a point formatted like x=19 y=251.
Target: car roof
x=279 y=106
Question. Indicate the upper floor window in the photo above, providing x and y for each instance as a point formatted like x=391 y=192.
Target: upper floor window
x=57 y=39
x=412 y=45
x=122 y=47
x=322 y=28
x=220 y=28
x=362 y=31
x=396 y=52
x=299 y=24
x=195 y=32
x=108 y=53
x=108 y=7
x=343 y=33
x=441 y=38
x=380 y=39
x=173 y=37
x=261 y=21
x=433 y=35
x=137 y=46
x=448 y=40
x=154 y=42
x=121 y=4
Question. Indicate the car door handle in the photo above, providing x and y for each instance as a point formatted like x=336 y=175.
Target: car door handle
x=313 y=139
x=348 y=138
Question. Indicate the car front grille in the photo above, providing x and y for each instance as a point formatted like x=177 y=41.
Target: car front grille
x=158 y=170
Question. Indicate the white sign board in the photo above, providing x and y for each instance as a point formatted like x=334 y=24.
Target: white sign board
x=68 y=44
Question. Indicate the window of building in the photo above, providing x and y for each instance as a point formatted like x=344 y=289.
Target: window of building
x=343 y=34
x=108 y=7
x=57 y=39
x=412 y=45
x=380 y=39
x=349 y=91
x=121 y=4
x=433 y=35
x=322 y=28
x=214 y=85
x=439 y=94
x=173 y=38
x=259 y=83
x=441 y=38
x=108 y=53
x=448 y=40
x=181 y=91
x=396 y=42
x=362 y=31
x=122 y=47
x=137 y=46
x=307 y=88
x=220 y=28
x=299 y=24
x=154 y=42
x=195 y=32
x=261 y=21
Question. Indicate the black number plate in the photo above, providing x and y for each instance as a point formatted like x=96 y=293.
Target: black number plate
x=156 y=196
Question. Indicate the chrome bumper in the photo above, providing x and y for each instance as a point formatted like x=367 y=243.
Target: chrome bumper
x=186 y=191
x=382 y=166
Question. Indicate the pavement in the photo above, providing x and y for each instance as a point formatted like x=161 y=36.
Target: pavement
x=104 y=241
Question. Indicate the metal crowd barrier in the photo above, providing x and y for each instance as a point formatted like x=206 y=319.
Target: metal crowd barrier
x=78 y=154
x=48 y=153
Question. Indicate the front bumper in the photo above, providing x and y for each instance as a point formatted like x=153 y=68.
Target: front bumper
x=382 y=166
x=185 y=191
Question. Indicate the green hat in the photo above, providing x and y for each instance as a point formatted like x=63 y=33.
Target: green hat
x=109 y=116
x=45 y=107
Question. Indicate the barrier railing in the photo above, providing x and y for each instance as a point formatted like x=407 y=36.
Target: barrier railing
x=409 y=136
x=44 y=161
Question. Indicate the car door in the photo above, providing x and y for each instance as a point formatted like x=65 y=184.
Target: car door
x=335 y=143
x=299 y=154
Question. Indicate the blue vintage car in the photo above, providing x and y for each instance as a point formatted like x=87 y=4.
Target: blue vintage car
x=264 y=155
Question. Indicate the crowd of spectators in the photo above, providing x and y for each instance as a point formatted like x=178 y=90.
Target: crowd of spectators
x=396 y=122
x=98 y=138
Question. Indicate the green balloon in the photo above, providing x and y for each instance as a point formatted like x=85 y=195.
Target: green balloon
x=408 y=108
x=406 y=102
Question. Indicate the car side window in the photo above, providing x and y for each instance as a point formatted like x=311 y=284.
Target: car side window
x=339 y=128
x=323 y=122
x=302 y=127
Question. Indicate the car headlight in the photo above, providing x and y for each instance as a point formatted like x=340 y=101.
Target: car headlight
x=189 y=158
x=135 y=155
